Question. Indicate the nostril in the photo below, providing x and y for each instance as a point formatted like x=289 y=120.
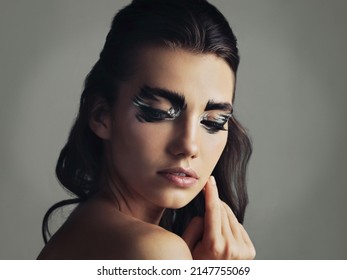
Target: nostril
x=184 y=150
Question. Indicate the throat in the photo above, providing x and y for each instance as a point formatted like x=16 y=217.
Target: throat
x=132 y=207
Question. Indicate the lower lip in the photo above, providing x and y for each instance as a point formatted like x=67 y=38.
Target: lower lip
x=180 y=181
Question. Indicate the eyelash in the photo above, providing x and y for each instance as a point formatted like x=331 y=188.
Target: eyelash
x=150 y=114
x=215 y=126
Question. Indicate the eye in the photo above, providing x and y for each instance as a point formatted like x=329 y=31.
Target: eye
x=157 y=115
x=215 y=122
x=155 y=109
x=147 y=113
x=156 y=104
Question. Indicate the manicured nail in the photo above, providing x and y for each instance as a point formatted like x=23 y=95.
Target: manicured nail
x=213 y=181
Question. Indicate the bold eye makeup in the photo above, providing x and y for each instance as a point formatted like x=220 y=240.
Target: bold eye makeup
x=156 y=104
x=214 y=122
x=213 y=119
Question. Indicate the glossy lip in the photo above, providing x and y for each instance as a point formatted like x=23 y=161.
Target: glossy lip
x=172 y=174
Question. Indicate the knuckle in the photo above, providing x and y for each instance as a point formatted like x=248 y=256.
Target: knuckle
x=232 y=251
x=234 y=256
x=216 y=248
x=252 y=253
x=213 y=205
x=241 y=252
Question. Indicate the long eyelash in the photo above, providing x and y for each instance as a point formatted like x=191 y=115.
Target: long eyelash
x=215 y=126
x=149 y=114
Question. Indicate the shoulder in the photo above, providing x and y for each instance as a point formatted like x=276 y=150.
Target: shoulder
x=90 y=234
x=159 y=244
x=130 y=238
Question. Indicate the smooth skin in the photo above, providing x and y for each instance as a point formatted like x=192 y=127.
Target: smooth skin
x=218 y=235
x=121 y=221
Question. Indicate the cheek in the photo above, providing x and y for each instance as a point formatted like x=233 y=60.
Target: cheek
x=214 y=145
x=137 y=144
x=147 y=137
x=212 y=150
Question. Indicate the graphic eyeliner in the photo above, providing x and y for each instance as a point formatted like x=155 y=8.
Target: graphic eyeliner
x=216 y=124
x=148 y=113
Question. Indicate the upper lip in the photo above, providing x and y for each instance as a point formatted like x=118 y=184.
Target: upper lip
x=188 y=171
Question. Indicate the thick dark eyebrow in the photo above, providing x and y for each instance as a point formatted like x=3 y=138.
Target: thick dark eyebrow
x=175 y=98
x=223 y=106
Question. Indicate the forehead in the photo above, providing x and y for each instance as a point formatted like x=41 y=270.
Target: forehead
x=199 y=77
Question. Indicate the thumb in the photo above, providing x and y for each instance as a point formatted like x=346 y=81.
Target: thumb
x=194 y=231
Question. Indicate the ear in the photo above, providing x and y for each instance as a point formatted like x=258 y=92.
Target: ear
x=100 y=120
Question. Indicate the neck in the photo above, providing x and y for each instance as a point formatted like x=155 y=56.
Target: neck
x=131 y=204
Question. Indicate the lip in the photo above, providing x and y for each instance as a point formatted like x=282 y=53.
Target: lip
x=174 y=176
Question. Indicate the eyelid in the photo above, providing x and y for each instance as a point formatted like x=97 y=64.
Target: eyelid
x=154 y=94
x=226 y=116
x=170 y=113
x=176 y=99
x=148 y=113
x=214 y=124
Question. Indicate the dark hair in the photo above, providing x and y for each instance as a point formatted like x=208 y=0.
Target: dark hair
x=192 y=25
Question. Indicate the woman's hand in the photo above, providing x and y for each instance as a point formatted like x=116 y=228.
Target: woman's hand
x=219 y=235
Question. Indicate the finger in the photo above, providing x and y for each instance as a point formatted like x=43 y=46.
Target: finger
x=226 y=229
x=245 y=235
x=212 y=221
x=233 y=222
x=193 y=233
x=251 y=252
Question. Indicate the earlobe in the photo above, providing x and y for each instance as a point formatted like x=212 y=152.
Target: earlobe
x=100 y=120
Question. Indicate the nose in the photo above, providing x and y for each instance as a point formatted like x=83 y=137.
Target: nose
x=185 y=139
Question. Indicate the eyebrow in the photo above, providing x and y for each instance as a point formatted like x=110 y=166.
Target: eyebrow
x=175 y=98
x=223 y=106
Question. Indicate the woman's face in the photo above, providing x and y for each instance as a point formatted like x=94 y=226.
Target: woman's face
x=169 y=126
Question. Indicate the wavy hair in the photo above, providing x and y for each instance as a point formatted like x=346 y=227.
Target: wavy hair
x=192 y=25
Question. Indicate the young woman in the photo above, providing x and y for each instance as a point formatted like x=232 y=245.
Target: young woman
x=156 y=157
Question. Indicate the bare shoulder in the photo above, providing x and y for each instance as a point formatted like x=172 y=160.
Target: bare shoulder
x=104 y=234
x=159 y=244
x=134 y=239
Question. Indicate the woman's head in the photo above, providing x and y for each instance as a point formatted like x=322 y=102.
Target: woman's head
x=168 y=126
x=188 y=28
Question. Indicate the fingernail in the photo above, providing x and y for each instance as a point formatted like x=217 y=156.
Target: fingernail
x=213 y=181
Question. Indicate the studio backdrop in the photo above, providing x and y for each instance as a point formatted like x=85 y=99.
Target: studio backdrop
x=291 y=96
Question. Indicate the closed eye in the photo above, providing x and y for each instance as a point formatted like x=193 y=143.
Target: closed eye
x=213 y=124
x=149 y=114
x=155 y=104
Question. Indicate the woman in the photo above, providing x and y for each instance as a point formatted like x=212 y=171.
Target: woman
x=155 y=122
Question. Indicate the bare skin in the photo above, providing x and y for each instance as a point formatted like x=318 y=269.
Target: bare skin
x=122 y=220
x=216 y=236
x=90 y=233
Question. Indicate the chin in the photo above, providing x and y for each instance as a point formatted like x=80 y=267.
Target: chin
x=177 y=203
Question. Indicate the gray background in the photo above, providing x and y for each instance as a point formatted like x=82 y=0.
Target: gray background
x=291 y=96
